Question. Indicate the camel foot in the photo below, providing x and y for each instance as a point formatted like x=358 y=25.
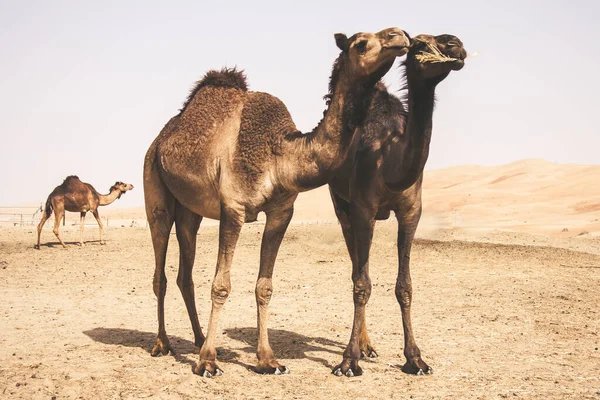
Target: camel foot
x=368 y=351
x=348 y=368
x=103 y=243
x=208 y=369
x=416 y=366
x=82 y=244
x=271 y=367
x=36 y=246
x=162 y=348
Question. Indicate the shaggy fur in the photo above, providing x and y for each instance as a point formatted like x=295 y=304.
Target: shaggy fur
x=225 y=78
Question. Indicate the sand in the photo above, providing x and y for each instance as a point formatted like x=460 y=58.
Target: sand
x=503 y=308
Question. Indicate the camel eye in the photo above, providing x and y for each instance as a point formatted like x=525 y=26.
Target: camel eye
x=361 y=46
x=393 y=34
x=452 y=43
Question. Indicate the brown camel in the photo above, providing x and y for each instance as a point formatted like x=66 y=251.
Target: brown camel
x=77 y=196
x=383 y=172
x=230 y=154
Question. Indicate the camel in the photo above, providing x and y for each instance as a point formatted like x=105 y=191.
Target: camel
x=231 y=153
x=382 y=173
x=77 y=196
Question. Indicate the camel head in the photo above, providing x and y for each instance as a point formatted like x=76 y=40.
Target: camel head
x=121 y=187
x=434 y=57
x=372 y=54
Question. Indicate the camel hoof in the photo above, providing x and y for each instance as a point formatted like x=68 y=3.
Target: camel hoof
x=349 y=368
x=162 y=348
x=103 y=243
x=417 y=367
x=35 y=246
x=271 y=368
x=372 y=354
x=208 y=369
x=282 y=371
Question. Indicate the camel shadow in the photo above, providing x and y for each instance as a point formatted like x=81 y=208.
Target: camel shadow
x=71 y=243
x=286 y=344
x=143 y=340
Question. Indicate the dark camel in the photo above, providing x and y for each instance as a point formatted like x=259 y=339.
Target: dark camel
x=76 y=196
x=230 y=154
x=383 y=172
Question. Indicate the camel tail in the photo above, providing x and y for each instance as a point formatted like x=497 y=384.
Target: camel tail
x=48 y=209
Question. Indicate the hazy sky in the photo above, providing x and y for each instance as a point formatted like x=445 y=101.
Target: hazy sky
x=86 y=86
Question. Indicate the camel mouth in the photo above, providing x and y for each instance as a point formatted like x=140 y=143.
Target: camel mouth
x=401 y=49
x=457 y=64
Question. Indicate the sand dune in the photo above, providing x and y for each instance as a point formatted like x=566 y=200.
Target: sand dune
x=533 y=196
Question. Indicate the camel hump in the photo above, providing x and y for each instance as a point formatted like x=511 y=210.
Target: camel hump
x=228 y=78
x=225 y=78
x=70 y=178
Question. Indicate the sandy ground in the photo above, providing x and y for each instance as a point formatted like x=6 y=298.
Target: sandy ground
x=496 y=314
x=506 y=277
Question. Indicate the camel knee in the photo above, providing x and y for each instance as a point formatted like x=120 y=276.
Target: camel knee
x=159 y=286
x=264 y=291
x=55 y=231
x=362 y=291
x=183 y=283
x=403 y=294
x=220 y=293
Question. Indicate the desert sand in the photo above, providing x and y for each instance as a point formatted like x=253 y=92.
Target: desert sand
x=506 y=271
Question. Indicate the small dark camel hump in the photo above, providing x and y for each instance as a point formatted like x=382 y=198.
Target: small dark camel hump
x=229 y=78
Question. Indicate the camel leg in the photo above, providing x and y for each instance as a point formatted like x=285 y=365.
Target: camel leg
x=231 y=222
x=275 y=227
x=58 y=215
x=407 y=225
x=161 y=214
x=187 y=224
x=362 y=219
x=100 y=225
x=39 y=228
x=342 y=211
x=81 y=222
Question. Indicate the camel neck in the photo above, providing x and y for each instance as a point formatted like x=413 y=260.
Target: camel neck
x=316 y=155
x=106 y=199
x=419 y=126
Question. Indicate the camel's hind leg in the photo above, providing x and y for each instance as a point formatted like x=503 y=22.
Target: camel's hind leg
x=231 y=221
x=100 y=225
x=277 y=223
x=187 y=224
x=39 y=228
x=59 y=212
x=342 y=211
x=81 y=222
x=160 y=211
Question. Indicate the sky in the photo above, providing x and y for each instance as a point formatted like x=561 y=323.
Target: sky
x=85 y=87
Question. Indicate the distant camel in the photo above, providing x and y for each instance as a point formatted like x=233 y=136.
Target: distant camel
x=76 y=196
x=383 y=173
x=232 y=153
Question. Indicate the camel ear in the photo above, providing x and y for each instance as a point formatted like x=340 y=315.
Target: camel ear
x=341 y=41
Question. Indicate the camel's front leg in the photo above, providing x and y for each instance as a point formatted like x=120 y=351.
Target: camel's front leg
x=97 y=216
x=277 y=223
x=81 y=222
x=342 y=211
x=363 y=222
x=230 y=225
x=407 y=225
